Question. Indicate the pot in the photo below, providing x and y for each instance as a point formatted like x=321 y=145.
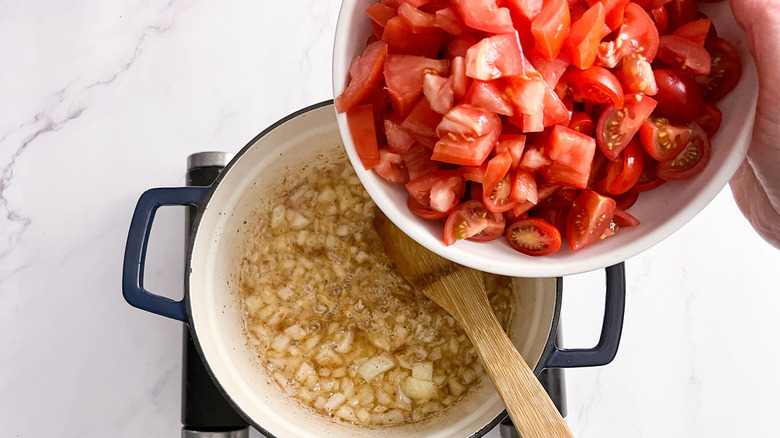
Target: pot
x=212 y=309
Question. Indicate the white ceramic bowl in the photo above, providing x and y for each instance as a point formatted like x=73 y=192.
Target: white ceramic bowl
x=662 y=211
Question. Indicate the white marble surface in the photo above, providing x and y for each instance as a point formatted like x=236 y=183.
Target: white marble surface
x=100 y=100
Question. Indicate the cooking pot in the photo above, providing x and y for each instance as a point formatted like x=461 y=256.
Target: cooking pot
x=211 y=305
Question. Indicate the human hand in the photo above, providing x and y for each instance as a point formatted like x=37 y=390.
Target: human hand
x=756 y=185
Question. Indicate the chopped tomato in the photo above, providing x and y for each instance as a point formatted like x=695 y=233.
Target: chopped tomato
x=418 y=161
x=636 y=75
x=594 y=84
x=725 y=70
x=391 y=167
x=589 y=216
x=571 y=153
x=439 y=91
x=399 y=140
x=624 y=219
x=551 y=71
x=626 y=200
x=363 y=130
x=691 y=161
x=449 y=21
x=460 y=44
x=404 y=76
x=584 y=36
x=624 y=172
x=422 y=120
x=661 y=139
x=679 y=96
x=365 y=76
x=419 y=21
x=533 y=236
x=497 y=199
x=617 y=127
x=466 y=220
x=614 y=12
x=469 y=121
x=380 y=14
x=495 y=170
x=514 y=144
x=400 y=38
x=495 y=228
x=439 y=191
x=523 y=187
x=460 y=82
x=463 y=150
x=550 y=27
x=661 y=18
x=638 y=34
x=485 y=15
x=494 y=57
x=696 y=31
x=489 y=96
x=526 y=92
x=527 y=9
x=684 y=54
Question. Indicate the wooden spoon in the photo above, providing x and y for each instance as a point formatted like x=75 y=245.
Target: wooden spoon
x=461 y=292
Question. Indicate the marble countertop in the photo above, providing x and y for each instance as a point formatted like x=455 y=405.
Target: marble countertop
x=100 y=101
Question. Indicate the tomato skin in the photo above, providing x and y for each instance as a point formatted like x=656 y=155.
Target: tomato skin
x=624 y=172
x=725 y=70
x=679 y=96
x=626 y=200
x=623 y=219
x=661 y=139
x=594 y=84
x=589 y=217
x=550 y=27
x=365 y=76
x=616 y=128
x=533 y=236
x=680 y=12
x=709 y=119
x=582 y=43
x=691 y=161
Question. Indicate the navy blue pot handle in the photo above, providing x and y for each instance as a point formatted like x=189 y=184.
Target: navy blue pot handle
x=137 y=241
x=611 y=329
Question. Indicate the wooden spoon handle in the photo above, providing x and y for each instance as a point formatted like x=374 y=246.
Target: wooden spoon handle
x=514 y=381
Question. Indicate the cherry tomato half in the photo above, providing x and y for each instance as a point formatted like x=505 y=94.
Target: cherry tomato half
x=661 y=139
x=617 y=127
x=725 y=70
x=691 y=161
x=679 y=96
x=533 y=236
x=624 y=172
x=467 y=220
x=589 y=217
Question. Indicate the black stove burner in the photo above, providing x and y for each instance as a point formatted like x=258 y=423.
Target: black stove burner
x=204 y=411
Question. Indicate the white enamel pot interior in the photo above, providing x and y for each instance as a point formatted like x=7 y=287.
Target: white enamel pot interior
x=662 y=211
x=215 y=313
